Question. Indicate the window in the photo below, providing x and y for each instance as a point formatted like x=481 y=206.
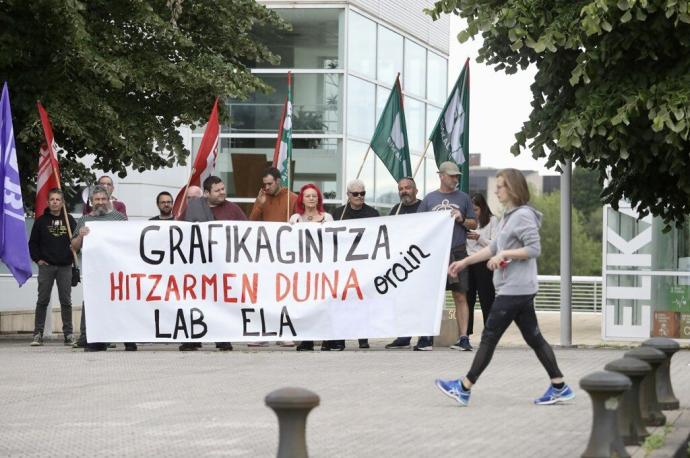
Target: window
x=437 y=80
x=415 y=69
x=382 y=94
x=316 y=102
x=317 y=161
x=361 y=49
x=432 y=114
x=355 y=155
x=414 y=115
x=386 y=186
x=360 y=108
x=431 y=175
x=390 y=55
x=315 y=41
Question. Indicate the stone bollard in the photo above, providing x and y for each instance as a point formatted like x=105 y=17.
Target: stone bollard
x=605 y=389
x=649 y=405
x=664 y=388
x=630 y=423
x=292 y=405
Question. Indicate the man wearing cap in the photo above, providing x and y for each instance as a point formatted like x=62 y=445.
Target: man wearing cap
x=450 y=198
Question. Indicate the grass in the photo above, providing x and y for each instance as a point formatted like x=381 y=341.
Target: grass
x=656 y=440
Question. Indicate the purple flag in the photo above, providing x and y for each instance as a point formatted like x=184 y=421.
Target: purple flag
x=14 y=248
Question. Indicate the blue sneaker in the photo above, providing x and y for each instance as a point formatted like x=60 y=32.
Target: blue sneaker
x=554 y=395
x=454 y=389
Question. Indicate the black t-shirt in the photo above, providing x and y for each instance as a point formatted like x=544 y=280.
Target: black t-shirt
x=158 y=218
x=405 y=208
x=365 y=212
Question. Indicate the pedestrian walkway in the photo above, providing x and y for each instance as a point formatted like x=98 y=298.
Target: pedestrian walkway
x=57 y=401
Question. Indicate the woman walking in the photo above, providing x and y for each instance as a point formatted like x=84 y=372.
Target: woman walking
x=309 y=209
x=512 y=256
x=480 y=279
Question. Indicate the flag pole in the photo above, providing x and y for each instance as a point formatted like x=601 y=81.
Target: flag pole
x=54 y=165
x=359 y=172
x=421 y=158
x=288 y=147
x=184 y=196
x=416 y=169
x=64 y=210
x=287 y=210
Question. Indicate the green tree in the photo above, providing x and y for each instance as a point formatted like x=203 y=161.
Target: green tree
x=611 y=92
x=586 y=253
x=586 y=192
x=119 y=78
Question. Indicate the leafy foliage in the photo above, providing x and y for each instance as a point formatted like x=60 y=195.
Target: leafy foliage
x=586 y=253
x=611 y=93
x=585 y=194
x=119 y=78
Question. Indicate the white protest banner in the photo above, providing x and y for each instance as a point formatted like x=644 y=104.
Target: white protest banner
x=157 y=281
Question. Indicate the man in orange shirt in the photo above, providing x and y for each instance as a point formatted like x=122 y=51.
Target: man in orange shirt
x=274 y=203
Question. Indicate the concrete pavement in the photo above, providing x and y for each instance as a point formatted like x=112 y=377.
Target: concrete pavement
x=56 y=401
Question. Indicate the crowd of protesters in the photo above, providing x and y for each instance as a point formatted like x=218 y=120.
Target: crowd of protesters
x=56 y=238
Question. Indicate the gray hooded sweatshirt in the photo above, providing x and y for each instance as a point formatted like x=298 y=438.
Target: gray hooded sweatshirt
x=519 y=228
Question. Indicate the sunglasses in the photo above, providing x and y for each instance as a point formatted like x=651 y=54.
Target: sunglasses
x=358 y=194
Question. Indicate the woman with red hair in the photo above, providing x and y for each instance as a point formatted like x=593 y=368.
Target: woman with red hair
x=309 y=209
x=309 y=206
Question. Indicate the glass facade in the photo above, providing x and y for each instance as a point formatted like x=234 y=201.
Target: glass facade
x=360 y=43
x=361 y=114
x=424 y=81
x=414 y=81
x=315 y=41
x=316 y=100
x=437 y=78
x=336 y=105
x=390 y=55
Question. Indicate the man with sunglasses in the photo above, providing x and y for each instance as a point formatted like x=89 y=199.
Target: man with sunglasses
x=274 y=203
x=355 y=208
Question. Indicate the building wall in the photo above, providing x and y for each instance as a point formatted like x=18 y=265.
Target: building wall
x=406 y=15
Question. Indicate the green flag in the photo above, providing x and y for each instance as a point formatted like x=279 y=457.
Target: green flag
x=451 y=136
x=390 y=137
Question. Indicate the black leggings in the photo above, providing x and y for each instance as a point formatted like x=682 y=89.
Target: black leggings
x=504 y=311
x=480 y=281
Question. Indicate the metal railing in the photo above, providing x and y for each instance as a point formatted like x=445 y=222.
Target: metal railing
x=586 y=293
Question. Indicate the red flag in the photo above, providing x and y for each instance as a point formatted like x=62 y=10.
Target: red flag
x=48 y=168
x=205 y=162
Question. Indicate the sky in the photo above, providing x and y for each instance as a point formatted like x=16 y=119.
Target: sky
x=499 y=104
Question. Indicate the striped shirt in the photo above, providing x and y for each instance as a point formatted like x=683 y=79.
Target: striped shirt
x=81 y=222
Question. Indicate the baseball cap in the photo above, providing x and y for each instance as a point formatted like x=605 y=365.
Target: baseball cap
x=449 y=168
